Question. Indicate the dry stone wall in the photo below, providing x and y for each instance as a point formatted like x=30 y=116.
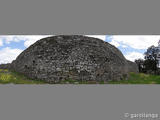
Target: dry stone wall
x=58 y=58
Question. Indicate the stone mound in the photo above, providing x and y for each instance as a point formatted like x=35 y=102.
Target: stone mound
x=132 y=67
x=76 y=57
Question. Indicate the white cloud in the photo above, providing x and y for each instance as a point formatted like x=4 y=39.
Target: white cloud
x=132 y=56
x=102 y=37
x=124 y=46
x=27 y=43
x=30 y=39
x=1 y=42
x=115 y=43
x=8 y=55
x=137 y=41
x=11 y=38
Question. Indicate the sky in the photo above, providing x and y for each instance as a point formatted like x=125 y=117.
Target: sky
x=132 y=46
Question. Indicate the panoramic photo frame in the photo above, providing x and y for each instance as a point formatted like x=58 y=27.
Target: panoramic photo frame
x=79 y=59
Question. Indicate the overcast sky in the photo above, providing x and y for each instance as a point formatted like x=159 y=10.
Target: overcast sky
x=132 y=46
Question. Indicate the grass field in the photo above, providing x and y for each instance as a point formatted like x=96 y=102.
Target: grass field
x=139 y=78
x=8 y=77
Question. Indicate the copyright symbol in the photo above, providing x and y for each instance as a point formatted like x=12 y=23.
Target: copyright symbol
x=126 y=115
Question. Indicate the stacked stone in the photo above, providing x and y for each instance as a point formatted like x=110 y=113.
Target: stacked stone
x=58 y=58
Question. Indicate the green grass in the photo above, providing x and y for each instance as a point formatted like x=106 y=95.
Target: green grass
x=139 y=78
x=8 y=77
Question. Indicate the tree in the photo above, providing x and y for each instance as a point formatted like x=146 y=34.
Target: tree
x=151 y=62
x=140 y=64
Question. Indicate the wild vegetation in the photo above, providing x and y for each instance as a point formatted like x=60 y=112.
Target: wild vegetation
x=10 y=77
x=139 y=78
x=150 y=64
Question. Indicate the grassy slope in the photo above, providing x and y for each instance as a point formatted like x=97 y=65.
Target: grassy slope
x=7 y=77
x=139 y=78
